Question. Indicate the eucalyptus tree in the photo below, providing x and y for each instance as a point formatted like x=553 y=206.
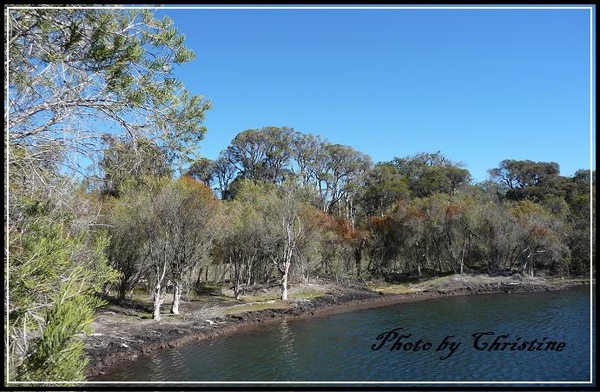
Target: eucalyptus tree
x=192 y=211
x=125 y=163
x=309 y=245
x=384 y=247
x=225 y=174
x=428 y=173
x=125 y=218
x=542 y=244
x=339 y=173
x=261 y=154
x=462 y=222
x=309 y=154
x=273 y=227
x=152 y=210
x=292 y=229
x=176 y=224
x=384 y=186
x=203 y=170
x=240 y=243
x=411 y=234
x=497 y=238
x=335 y=172
x=525 y=179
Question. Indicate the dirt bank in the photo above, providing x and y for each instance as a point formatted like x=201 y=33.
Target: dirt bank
x=125 y=332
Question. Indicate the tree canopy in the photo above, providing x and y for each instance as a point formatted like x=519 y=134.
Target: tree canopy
x=77 y=73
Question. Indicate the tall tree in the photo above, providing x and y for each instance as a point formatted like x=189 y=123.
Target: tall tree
x=307 y=152
x=241 y=243
x=125 y=220
x=428 y=173
x=542 y=245
x=193 y=210
x=225 y=174
x=261 y=154
x=75 y=70
x=173 y=232
x=291 y=231
x=131 y=162
x=526 y=179
x=277 y=231
x=203 y=170
x=339 y=175
x=384 y=186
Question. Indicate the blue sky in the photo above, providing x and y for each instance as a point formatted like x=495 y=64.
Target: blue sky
x=480 y=86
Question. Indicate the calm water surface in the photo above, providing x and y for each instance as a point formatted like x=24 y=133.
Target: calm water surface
x=368 y=345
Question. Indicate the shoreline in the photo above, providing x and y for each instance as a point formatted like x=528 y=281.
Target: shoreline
x=143 y=337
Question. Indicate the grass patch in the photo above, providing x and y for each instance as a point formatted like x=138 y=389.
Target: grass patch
x=256 y=306
x=260 y=298
x=403 y=288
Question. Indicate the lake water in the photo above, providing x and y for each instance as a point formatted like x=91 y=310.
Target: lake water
x=527 y=337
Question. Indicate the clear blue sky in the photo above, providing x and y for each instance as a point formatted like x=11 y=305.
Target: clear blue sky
x=480 y=86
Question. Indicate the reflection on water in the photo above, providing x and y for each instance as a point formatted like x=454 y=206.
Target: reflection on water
x=286 y=341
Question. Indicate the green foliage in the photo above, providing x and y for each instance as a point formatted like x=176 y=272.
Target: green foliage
x=54 y=278
x=203 y=170
x=385 y=185
x=429 y=173
x=527 y=179
x=333 y=172
x=58 y=354
x=262 y=154
x=126 y=240
x=160 y=228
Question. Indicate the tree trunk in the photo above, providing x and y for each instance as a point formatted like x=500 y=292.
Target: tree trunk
x=237 y=289
x=237 y=277
x=159 y=289
x=158 y=299
x=284 y=282
x=176 y=297
x=122 y=291
x=199 y=278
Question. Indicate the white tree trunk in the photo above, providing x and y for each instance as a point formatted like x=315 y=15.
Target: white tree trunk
x=176 y=297
x=158 y=299
x=159 y=290
x=284 y=282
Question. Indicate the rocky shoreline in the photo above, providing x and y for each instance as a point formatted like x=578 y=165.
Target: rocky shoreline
x=116 y=341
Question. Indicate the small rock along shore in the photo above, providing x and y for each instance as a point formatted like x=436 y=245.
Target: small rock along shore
x=125 y=332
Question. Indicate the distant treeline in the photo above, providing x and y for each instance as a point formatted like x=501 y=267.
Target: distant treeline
x=288 y=206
